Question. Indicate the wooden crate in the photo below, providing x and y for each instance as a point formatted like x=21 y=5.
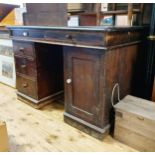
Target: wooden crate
x=135 y=123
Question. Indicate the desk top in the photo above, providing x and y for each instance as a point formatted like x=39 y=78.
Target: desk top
x=81 y=28
x=99 y=37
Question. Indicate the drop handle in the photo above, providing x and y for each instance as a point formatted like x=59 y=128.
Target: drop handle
x=68 y=81
x=68 y=36
x=25 y=85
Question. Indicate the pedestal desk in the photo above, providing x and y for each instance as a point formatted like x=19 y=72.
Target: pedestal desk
x=90 y=61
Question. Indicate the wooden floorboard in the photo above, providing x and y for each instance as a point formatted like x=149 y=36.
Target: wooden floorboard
x=43 y=130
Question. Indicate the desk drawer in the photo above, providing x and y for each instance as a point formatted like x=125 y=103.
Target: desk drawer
x=27 y=86
x=84 y=38
x=25 y=66
x=25 y=49
x=27 y=33
x=64 y=36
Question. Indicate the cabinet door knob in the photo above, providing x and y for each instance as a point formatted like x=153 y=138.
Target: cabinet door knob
x=25 y=34
x=68 y=81
x=25 y=85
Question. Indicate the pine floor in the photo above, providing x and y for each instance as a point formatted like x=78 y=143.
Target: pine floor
x=43 y=130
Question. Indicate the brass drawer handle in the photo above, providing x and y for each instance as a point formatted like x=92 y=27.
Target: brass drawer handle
x=68 y=36
x=23 y=66
x=25 y=34
x=25 y=85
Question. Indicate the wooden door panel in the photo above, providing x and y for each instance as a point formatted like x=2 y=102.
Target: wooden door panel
x=84 y=83
x=82 y=98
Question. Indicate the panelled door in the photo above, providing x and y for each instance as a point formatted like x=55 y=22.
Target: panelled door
x=82 y=80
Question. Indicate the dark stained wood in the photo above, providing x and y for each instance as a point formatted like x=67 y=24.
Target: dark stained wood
x=24 y=49
x=153 y=92
x=82 y=97
x=27 y=86
x=46 y=14
x=146 y=15
x=93 y=75
x=89 y=19
x=150 y=63
x=95 y=59
x=112 y=37
x=50 y=69
x=25 y=66
x=45 y=7
x=39 y=68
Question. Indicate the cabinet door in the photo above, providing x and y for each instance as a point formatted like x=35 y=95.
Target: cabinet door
x=82 y=80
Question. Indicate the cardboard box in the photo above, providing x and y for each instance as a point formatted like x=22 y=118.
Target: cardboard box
x=4 y=146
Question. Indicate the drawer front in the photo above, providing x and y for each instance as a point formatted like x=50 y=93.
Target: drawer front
x=85 y=38
x=82 y=74
x=27 y=86
x=27 y=33
x=25 y=49
x=25 y=66
x=64 y=36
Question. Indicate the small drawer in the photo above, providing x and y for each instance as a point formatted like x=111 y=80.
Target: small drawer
x=89 y=38
x=26 y=33
x=60 y=36
x=25 y=66
x=85 y=38
x=27 y=86
x=25 y=49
